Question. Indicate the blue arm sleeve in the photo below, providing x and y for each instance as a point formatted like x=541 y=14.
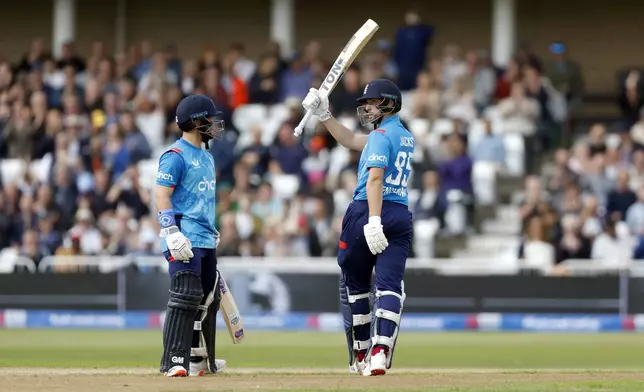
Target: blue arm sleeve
x=378 y=150
x=170 y=169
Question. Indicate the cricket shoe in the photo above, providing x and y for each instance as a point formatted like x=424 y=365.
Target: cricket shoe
x=359 y=363
x=377 y=365
x=198 y=369
x=176 y=371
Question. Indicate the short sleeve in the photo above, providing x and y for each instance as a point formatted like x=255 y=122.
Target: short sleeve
x=170 y=169
x=377 y=150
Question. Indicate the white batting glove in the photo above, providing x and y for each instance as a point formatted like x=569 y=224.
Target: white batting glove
x=317 y=104
x=374 y=235
x=217 y=238
x=179 y=246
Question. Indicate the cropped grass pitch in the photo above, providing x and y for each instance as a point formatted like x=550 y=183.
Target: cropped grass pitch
x=317 y=361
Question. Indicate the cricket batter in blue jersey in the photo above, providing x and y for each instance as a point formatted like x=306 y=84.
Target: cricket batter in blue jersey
x=185 y=201
x=377 y=227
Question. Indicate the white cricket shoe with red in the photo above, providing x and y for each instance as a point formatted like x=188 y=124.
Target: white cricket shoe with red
x=198 y=369
x=176 y=371
x=377 y=365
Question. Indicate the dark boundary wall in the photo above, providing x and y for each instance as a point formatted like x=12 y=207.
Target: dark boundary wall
x=426 y=293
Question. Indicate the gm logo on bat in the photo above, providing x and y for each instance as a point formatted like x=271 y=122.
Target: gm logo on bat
x=334 y=74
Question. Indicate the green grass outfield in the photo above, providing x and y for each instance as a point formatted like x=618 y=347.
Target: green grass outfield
x=446 y=361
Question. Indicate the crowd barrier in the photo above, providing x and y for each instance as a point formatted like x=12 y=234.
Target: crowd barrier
x=330 y=322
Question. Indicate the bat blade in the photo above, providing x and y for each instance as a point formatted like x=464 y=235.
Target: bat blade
x=230 y=313
x=346 y=57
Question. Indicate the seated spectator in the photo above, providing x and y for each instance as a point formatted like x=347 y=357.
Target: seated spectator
x=484 y=76
x=536 y=203
x=562 y=175
x=116 y=157
x=508 y=78
x=571 y=244
x=20 y=132
x=596 y=179
x=518 y=105
x=597 y=139
x=288 y=152
x=426 y=98
x=263 y=86
x=458 y=100
x=344 y=97
x=538 y=253
x=31 y=247
x=635 y=214
x=621 y=198
x=636 y=173
x=490 y=148
x=591 y=222
x=296 y=80
x=135 y=141
x=613 y=246
x=631 y=97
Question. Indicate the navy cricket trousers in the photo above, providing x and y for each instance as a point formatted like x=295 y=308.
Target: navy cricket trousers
x=355 y=258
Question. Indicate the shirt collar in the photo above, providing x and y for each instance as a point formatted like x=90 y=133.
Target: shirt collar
x=187 y=144
x=390 y=119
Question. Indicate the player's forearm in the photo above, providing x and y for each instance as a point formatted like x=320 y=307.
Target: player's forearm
x=374 y=195
x=162 y=201
x=344 y=135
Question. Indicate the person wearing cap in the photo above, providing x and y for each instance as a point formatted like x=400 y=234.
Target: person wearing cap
x=565 y=74
x=377 y=226
x=185 y=201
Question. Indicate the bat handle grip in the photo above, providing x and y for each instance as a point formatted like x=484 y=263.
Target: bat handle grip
x=300 y=127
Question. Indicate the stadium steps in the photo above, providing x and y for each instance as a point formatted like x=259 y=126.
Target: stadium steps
x=498 y=235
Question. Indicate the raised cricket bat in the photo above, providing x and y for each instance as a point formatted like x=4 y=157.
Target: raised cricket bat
x=230 y=313
x=351 y=50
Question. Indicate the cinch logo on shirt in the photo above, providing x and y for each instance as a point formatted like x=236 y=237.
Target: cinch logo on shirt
x=379 y=158
x=206 y=185
x=164 y=176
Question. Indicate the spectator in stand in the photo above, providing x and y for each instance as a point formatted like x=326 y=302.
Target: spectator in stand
x=615 y=245
x=596 y=179
x=561 y=177
x=505 y=82
x=490 y=148
x=635 y=214
x=344 y=97
x=565 y=75
x=621 y=198
x=456 y=175
x=69 y=57
x=458 y=100
x=288 y=152
x=631 y=97
x=453 y=66
x=263 y=86
x=571 y=244
x=135 y=141
x=538 y=252
x=385 y=61
x=637 y=170
x=20 y=131
x=34 y=58
x=426 y=99
x=412 y=41
x=484 y=75
x=518 y=105
x=597 y=139
x=296 y=80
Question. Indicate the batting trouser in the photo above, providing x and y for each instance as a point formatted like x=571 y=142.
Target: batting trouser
x=193 y=331
x=364 y=329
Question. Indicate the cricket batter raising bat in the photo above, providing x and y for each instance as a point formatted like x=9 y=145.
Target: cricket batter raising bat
x=377 y=226
x=185 y=199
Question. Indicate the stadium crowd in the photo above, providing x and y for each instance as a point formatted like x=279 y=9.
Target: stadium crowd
x=85 y=126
